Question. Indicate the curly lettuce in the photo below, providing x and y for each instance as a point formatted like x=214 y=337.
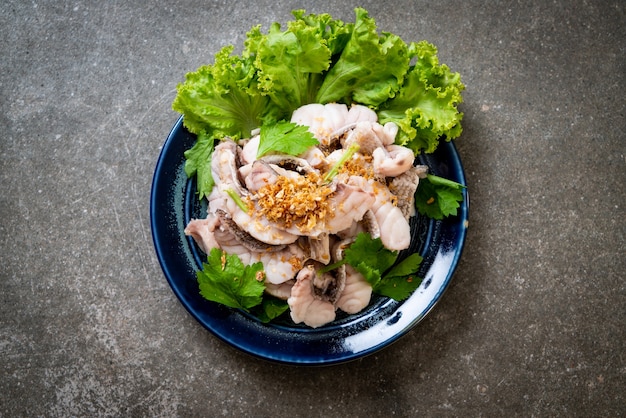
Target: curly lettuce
x=316 y=58
x=224 y=99
x=425 y=108
x=291 y=63
x=371 y=67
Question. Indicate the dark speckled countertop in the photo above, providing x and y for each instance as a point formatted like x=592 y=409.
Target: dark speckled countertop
x=533 y=323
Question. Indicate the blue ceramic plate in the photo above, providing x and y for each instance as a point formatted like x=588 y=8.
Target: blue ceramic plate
x=174 y=202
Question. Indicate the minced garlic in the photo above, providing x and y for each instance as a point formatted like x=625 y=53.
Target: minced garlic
x=300 y=201
x=359 y=165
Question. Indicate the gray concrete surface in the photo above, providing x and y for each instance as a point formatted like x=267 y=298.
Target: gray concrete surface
x=532 y=325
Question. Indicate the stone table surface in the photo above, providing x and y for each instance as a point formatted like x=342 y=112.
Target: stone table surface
x=533 y=323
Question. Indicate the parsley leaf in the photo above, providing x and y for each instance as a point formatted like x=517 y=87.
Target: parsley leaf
x=198 y=161
x=286 y=138
x=437 y=197
x=226 y=280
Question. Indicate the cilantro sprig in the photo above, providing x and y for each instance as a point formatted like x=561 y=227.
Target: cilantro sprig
x=376 y=263
x=270 y=308
x=286 y=138
x=225 y=279
x=198 y=163
x=437 y=197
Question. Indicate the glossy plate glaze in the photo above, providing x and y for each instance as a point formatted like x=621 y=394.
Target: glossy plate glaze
x=174 y=202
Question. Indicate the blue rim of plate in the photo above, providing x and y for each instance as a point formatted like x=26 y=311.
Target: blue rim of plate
x=173 y=202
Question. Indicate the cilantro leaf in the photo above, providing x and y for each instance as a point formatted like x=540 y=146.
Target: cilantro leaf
x=286 y=138
x=369 y=257
x=371 y=274
x=376 y=263
x=406 y=267
x=226 y=280
x=448 y=199
x=398 y=288
x=366 y=248
x=270 y=308
x=437 y=197
x=401 y=280
x=198 y=162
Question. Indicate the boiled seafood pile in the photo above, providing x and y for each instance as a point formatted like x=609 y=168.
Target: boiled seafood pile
x=290 y=214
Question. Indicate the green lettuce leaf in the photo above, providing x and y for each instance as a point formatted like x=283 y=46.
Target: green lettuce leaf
x=425 y=108
x=333 y=31
x=370 y=69
x=223 y=99
x=225 y=279
x=290 y=63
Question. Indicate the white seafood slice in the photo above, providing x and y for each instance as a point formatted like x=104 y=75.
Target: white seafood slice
x=250 y=149
x=322 y=120
x=279 y=266
x=281 y=291
x=259 y=227
x=360 y=113
x=202 y=232
x=392 y=160
x=356 y=294
x=364 y=136
x=395 y=232
x=348 y=204
x=304 y=306
x=386 y=133
x=225 y=174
